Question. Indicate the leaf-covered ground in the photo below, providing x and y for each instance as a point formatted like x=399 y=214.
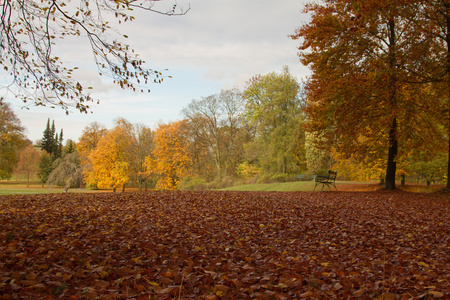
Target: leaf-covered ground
x=225 y=245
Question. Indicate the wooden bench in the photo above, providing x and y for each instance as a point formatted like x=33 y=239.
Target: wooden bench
x=300 y=177
x=326 y=180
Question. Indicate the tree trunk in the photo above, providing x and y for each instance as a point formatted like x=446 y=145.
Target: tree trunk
x=393 y=140
x=392 y=154
x=67 y=187
x=448 y=87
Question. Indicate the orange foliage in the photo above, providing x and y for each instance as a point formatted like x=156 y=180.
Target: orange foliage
x=170 y=159
x=360 y=96
x=109 y=161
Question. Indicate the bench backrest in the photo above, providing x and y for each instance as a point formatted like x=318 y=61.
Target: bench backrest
x=332 y=175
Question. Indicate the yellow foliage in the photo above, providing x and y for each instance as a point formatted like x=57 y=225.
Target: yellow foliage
x=352 y=169
x=171 y=159
x=247 y=170
x=109 y=161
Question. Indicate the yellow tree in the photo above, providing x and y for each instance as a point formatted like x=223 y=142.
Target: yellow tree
x=139 y=145
x=170 y=160
x=110 y=168
x=87 y=143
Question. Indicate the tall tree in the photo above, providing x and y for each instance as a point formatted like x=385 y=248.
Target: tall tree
x=433 y=22
x=87 y=143
x=30 y=29
x=90 y=138
x=110 y=167
x=28 y=163
x=45 y=166
x=70 y=147
x=360 y=92
x=59 y=143
x=170 y=160
x=52 y=142
x=215 y=121
x=142 y=146
x=47 y=138
x=139 y=145
x=12 y=140
x=273 y=109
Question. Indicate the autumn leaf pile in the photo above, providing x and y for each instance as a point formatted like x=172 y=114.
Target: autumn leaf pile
x=225 y=245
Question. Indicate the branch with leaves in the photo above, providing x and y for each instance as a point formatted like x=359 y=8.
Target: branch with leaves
x=30 y=29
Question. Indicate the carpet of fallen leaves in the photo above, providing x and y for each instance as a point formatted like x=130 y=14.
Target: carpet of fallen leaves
x=225 y=245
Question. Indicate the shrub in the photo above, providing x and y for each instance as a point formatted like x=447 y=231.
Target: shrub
x=193 y=184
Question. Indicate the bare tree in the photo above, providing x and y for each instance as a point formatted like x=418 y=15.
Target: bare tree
x=216 y=123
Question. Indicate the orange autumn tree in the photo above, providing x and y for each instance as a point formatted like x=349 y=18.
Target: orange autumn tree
x=170 y=160
x=28 y=162
x=110 y=167
x=360 y=90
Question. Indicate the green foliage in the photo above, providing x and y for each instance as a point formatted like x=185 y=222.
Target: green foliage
x=70 y=147
x=274 y=113
x=215 y=123
x=45 y=166
x=317 y=159
x=12 y=140
x=52 y=142
x=193 y=184
x=428 y=168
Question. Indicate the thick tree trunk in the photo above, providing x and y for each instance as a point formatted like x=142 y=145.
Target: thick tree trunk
x=392 y=154
x=393 y=136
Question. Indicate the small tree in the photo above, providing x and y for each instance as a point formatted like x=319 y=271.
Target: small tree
x=28 y=162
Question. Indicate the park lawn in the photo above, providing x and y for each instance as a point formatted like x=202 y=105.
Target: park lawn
x=35 y=187
x=225 y=245
x=301 y=186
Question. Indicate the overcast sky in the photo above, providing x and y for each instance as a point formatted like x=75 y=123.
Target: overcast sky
x=217 y=45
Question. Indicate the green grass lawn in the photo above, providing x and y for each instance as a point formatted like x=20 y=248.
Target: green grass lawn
x=308 y=186
x=20 y=187
x=303 y=186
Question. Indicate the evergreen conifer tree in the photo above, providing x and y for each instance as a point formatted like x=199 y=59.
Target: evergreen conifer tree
x=46 y=143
